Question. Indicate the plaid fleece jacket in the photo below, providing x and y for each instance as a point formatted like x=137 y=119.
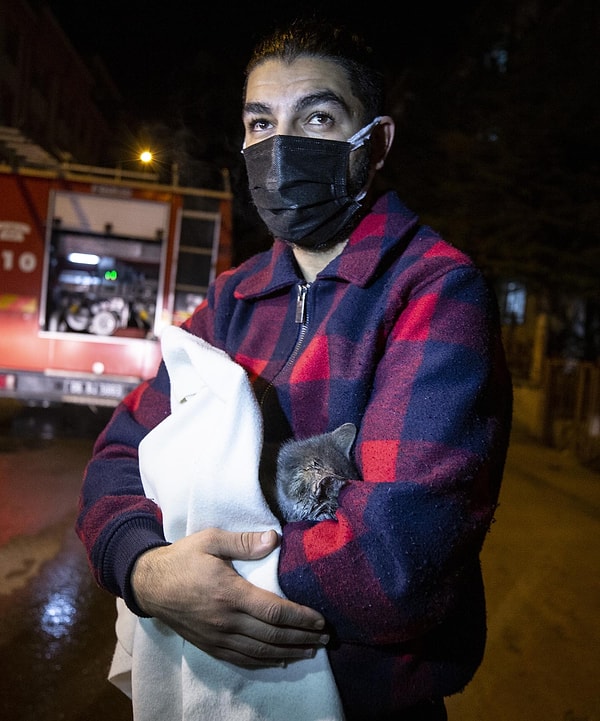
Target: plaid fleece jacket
x=399 y=335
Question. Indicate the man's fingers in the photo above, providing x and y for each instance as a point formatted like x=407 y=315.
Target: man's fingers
x=277 y=613
x=243 y=653
x=243 y=546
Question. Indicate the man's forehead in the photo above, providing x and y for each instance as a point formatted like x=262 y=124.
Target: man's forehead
x=304 y=77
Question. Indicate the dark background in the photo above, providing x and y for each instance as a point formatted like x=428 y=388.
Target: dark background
x=149 y=48
x=495 y=101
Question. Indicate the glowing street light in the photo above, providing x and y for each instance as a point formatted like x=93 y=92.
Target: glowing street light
x=146 y=157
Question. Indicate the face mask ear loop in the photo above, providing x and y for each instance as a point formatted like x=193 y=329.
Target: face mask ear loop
x=358 y=139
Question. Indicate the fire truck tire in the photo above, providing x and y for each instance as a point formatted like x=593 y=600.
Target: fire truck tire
x=104 y=323
x=78 y=319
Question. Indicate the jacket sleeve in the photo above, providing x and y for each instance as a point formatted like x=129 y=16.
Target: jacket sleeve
x=430 y=451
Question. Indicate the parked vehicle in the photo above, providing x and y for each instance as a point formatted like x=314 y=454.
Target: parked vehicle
x=93 y=264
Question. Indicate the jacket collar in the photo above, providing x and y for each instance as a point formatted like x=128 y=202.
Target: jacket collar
x=387 y=226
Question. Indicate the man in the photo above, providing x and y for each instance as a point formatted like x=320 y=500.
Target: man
x=358 y=313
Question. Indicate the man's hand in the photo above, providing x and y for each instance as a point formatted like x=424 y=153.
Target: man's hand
x=192 y=586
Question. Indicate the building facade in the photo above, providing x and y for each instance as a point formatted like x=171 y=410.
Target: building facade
x=54 y=107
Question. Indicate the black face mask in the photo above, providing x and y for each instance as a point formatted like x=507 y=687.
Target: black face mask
x=300 y=186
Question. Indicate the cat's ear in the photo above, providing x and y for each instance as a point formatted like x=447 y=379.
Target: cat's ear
x=344 y=436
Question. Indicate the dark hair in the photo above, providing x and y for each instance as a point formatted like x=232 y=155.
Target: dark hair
x=321 y=39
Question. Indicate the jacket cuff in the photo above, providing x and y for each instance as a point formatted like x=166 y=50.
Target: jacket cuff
x=128 y=542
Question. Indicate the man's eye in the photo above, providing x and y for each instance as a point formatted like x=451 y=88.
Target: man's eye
x=257 y=125
x=321 y=119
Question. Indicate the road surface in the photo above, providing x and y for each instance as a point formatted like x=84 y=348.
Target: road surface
x=540 y=564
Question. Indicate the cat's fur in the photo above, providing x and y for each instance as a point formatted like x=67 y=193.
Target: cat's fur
x=311 y=472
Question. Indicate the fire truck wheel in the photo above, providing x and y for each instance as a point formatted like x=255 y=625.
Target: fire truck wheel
x=104 y=323
x=77 y=318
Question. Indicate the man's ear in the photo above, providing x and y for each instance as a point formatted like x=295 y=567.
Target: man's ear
x=382 y=139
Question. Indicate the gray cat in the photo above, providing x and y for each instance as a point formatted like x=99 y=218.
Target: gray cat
x=311 y=472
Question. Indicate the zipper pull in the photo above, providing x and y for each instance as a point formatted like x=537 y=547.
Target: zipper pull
x=301 y=303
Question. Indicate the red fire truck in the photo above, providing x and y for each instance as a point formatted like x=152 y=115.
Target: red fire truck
x=93 y=264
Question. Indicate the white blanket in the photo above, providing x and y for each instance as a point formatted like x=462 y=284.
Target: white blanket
x=201 y=466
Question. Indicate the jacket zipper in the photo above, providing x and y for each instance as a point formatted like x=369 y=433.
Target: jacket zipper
x=301 y=318
x=301 y=303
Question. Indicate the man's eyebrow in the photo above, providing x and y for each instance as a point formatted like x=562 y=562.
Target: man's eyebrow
x=255 y=108
x=306 y=101
x=319 y=97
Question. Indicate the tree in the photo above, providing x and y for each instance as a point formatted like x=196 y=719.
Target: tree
x=500 y=145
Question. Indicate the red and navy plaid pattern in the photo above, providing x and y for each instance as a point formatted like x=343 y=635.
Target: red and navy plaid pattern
x=401 y=337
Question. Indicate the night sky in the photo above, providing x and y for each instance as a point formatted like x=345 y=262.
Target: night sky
x=147 y=47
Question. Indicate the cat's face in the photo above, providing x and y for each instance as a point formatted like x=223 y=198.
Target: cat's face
x=311 y=472
x=314 y=491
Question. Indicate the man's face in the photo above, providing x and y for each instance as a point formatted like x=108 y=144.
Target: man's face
x=309 y=97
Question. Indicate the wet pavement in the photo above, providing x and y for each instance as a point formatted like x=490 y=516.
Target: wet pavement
x=56 y=636
x=540 y=564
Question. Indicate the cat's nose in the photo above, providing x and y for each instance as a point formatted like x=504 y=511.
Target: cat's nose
x=331 y=485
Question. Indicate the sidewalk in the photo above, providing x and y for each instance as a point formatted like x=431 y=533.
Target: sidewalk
x=540 y=566
x=560 y=468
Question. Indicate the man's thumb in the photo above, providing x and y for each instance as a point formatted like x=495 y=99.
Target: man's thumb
x=249 y=545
